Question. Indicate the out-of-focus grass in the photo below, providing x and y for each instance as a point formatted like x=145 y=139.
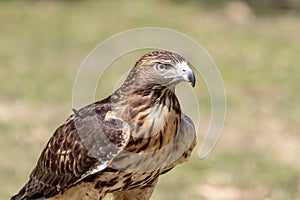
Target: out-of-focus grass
x=43 y=43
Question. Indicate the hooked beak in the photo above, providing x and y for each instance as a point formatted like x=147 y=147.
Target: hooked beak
x=186 y=73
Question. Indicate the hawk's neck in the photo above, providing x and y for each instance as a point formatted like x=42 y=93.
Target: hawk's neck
x=141 y=98
x=153 y=114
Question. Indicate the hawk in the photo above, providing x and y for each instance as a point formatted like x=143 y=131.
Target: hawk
x=121 y=144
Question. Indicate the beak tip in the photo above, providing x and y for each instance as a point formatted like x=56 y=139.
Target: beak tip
x=193 y=84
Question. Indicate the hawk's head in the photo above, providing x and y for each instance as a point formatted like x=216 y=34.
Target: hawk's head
x=161 y=68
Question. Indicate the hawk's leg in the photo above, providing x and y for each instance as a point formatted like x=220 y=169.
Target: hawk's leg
x=83 y=191
x=135 y=194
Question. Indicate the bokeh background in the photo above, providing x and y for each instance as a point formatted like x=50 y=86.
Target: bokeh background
x=255 y=44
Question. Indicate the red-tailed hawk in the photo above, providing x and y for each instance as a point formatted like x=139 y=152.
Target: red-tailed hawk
x=122 y=144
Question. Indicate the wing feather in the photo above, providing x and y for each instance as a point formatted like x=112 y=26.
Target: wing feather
x=85 y=144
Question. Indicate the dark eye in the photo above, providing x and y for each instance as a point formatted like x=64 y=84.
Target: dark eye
x=162 y=67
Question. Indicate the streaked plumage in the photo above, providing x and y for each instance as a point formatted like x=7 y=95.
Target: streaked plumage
x=121 y=144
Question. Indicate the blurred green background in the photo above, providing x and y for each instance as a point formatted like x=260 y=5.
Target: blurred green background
x=255 y=44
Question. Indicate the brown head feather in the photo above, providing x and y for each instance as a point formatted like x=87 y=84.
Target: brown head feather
x=160 y=56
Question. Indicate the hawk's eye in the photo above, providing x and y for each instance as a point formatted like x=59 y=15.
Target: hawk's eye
x=162 y=67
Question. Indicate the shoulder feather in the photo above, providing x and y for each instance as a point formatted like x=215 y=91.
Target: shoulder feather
x=85 y=144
